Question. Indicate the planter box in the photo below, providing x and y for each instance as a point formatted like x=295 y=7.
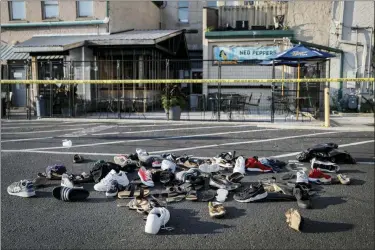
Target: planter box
x=174 y=113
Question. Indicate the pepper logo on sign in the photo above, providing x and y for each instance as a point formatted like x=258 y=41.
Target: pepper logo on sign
x=299 y=53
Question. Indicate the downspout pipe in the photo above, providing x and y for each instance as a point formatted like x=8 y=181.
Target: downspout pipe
x=107 y=14
x=54 y=24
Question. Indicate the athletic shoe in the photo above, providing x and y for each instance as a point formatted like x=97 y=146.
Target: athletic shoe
x=105 y=183
x=252 y=164
x=220 y=181
x=66 y=182
x=120 y=160
x=157 y=218
x=168 y=165
x=225 y=160
x=301 y=192
x=343 y=179
x=70 y=194
x=253 y=193
x=216 y=209
x=319 y=177
x=112 y=189
x=209 y=168
x=78 y=159
x=54 y=172
x=146 y=177
x=170 y=157
x=156 y=163
x=23 y=188
x=239 y=166
x=302 y=177
x=325 y=166
x=180 y=175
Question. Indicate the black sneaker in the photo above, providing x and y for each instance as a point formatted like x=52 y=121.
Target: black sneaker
x=166 y=176
x=253 y=193
x=112 y=190
x=301 y=192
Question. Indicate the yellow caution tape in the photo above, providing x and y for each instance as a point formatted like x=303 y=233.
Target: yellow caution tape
x=175 y=81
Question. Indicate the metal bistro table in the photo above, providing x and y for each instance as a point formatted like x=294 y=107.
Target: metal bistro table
x=131 y=104
x=225 y=102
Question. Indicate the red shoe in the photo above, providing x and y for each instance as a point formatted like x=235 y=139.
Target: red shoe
x=146 y=177
x=252 y=164
x=319 y=177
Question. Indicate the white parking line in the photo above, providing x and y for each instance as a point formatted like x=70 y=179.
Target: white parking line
x=50 y=126
x=148 y=139
x=176 y=129
x=244 y=142
x=27 y=139
x=109 y=133
x=37 y=132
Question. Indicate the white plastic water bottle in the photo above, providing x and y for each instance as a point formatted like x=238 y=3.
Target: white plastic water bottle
x=67 y=143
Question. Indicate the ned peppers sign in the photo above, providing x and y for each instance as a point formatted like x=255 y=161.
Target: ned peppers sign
x=237 y=54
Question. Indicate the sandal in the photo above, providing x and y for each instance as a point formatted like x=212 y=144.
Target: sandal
x=131 y=192
x=176 y=198
x=191 y=196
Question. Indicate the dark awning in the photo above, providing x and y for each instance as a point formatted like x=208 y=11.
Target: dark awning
x=66 y=42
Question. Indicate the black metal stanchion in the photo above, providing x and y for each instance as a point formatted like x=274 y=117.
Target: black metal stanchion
x=118 y=90
x=219 y=93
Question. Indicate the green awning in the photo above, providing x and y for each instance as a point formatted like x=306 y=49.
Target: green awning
x=249 y=34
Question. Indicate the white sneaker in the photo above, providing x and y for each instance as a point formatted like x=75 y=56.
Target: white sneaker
x=105 y=183
x=157 y=218
x=66 y=182
x=209 y=168
x=240 y=165
x=302 y=177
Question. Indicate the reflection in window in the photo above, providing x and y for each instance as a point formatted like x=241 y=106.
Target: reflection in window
x=85 y=8
x=211 y=3
x=50 y=9
x=183 y=11
x=17 y=10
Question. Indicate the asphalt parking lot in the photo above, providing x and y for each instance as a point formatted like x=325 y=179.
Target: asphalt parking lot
x=342 y=216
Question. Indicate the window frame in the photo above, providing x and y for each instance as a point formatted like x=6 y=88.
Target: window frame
x=44 y=9
x=78 y=9
x=183 y=8
x=10 y=8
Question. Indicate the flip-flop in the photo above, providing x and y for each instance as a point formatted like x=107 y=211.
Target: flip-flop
x=176 y=198
x=192 y=196
x=70 y=194
x=131 y=192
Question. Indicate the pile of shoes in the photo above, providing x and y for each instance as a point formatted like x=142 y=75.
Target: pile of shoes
x=148 y=183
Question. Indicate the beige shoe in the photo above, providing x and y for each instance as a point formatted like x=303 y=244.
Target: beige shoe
x=293 y=218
